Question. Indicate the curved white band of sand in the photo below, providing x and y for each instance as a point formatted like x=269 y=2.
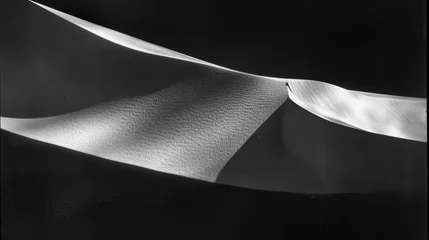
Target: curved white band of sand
x=192 y=128
x=386 y=115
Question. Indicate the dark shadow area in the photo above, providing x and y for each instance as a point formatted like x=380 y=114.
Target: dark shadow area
x=52 y=192
x=351 y=160
x=264 y=163
x=296 y=151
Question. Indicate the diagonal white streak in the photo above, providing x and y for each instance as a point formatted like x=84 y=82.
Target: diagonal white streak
x=134 y=43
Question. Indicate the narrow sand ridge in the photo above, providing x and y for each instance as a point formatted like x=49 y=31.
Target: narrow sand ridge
x=134 y=43
x=196 y=120
x=122 y=39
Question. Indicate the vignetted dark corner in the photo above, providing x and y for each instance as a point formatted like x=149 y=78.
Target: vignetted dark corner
x=297 y=175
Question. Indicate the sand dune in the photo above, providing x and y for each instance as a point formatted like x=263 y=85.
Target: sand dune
x=196 y=118
x=190 y=129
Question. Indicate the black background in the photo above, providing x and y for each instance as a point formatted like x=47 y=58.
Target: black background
x=375 y=46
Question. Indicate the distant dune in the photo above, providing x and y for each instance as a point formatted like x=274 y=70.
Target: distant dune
x=113 y=96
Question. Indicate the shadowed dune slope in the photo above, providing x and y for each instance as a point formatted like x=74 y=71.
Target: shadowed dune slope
x=296 y=151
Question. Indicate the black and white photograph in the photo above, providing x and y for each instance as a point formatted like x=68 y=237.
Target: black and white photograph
x=155 y=119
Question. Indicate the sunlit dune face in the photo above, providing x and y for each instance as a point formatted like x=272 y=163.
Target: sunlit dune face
x=396 y=117
x=190 y=129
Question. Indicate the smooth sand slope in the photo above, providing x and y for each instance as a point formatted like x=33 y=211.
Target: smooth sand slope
x=97 y=91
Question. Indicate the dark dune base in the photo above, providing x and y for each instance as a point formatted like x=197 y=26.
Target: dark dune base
x=296 y=151
x=52 y=192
